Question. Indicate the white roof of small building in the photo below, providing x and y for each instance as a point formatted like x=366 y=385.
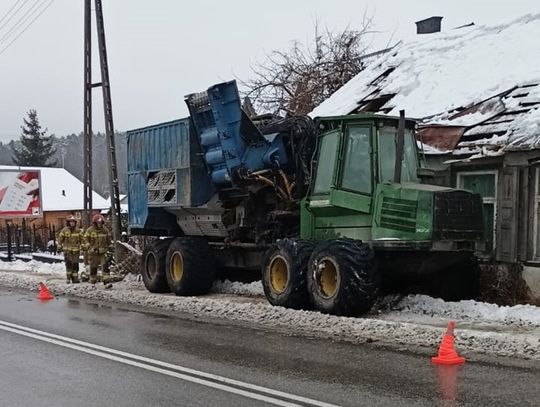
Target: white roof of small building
x=485 y=78
x=61 y=190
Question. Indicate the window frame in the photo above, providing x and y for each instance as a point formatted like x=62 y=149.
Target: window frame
x=490 y=200
x=316 y=162
x=342 y=158
x=412 y=139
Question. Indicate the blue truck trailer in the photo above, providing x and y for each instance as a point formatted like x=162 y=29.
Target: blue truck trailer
x=220 y=185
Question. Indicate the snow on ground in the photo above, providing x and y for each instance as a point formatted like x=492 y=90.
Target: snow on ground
x=35 y=267
x=408 y=322
x=234 y=287
x=422 y=306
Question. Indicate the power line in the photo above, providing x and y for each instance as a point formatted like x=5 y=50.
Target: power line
x=24 y=18
x=14 y=14
x=10 y=10
x=26 y=28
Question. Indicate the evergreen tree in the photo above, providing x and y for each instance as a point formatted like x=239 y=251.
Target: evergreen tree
x=36 y=148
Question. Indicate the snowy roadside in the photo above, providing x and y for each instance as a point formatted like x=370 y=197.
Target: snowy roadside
x=408 y=322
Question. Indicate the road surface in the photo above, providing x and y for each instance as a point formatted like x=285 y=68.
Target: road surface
x=68 y=352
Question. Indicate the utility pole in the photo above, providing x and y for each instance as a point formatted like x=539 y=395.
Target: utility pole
x=109 y=126
x=87 y=132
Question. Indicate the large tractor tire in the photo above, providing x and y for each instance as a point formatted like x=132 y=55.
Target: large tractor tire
x=190 y=267
x=284 y=273
x=153 y=266
x=342 y=277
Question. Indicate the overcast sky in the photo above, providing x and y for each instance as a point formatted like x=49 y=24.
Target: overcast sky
x=161 y=50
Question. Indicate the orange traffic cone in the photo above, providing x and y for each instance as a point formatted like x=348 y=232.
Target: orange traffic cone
x=44 y=293
x=447 y=354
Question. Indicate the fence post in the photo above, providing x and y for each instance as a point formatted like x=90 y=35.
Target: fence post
x=23 y=233
x=9 y=251
x=33 y=237
x=18 y=239
x=54 y=238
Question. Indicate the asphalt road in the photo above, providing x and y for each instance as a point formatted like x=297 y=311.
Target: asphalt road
x=71 y=352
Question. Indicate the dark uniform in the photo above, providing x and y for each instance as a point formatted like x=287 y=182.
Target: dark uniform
x=97 y=240
x=70 y=240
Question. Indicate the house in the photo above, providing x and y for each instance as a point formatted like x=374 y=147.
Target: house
x=61 y=196
x=475 y=91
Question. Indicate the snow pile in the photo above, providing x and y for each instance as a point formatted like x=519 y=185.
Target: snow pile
x=234 y=287
x=133 y=281
x=35 y=267
x=470 y=311
x=381 y=327
x=527 y=130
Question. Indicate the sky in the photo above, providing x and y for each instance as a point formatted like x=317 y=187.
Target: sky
x=161 y=50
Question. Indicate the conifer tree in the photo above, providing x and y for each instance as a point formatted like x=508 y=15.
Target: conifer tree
x=36 y=148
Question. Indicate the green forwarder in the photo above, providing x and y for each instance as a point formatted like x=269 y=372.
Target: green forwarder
x=376 y=226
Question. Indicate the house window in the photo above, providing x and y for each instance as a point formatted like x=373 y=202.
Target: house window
x=485 y=184
x=537 y=216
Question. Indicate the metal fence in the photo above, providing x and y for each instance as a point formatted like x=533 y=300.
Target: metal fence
x=17 y=239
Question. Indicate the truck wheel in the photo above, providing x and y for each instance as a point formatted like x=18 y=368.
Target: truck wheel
x=284 y=273
x=342 y=277
x=153 y=266
x=190 y=267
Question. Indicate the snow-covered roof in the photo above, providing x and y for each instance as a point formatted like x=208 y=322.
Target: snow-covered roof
x=61 y=190
x=485 y=78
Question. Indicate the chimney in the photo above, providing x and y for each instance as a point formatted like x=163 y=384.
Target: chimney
x=429 y=25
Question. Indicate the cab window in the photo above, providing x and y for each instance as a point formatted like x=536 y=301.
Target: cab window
x=357 y=168
x=326 y=162
x=387 y=155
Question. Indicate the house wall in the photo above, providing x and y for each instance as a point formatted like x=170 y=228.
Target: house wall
x=514 y=256
x=52 y=218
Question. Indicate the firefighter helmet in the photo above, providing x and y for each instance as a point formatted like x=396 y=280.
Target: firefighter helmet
x=98 y=218
x=70 y=219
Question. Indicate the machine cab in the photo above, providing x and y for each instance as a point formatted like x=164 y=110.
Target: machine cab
x=365 y=186
x=357 y=152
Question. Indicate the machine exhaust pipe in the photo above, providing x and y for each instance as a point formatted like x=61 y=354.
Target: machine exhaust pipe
x=399 y=146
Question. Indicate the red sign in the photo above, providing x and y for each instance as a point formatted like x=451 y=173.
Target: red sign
x=20 y=194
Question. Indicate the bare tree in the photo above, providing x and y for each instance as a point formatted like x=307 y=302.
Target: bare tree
x=297 y=80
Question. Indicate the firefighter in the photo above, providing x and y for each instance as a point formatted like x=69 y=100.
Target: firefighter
x=70 y=241
x=97 y=240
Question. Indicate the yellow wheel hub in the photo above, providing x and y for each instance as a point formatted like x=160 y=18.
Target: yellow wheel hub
x=177 y=266
x=279 y=274
x=328 y=277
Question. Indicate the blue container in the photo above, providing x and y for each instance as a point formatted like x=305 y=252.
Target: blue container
x=165 y=171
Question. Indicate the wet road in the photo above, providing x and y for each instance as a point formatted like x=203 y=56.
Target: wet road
x=70 y=352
